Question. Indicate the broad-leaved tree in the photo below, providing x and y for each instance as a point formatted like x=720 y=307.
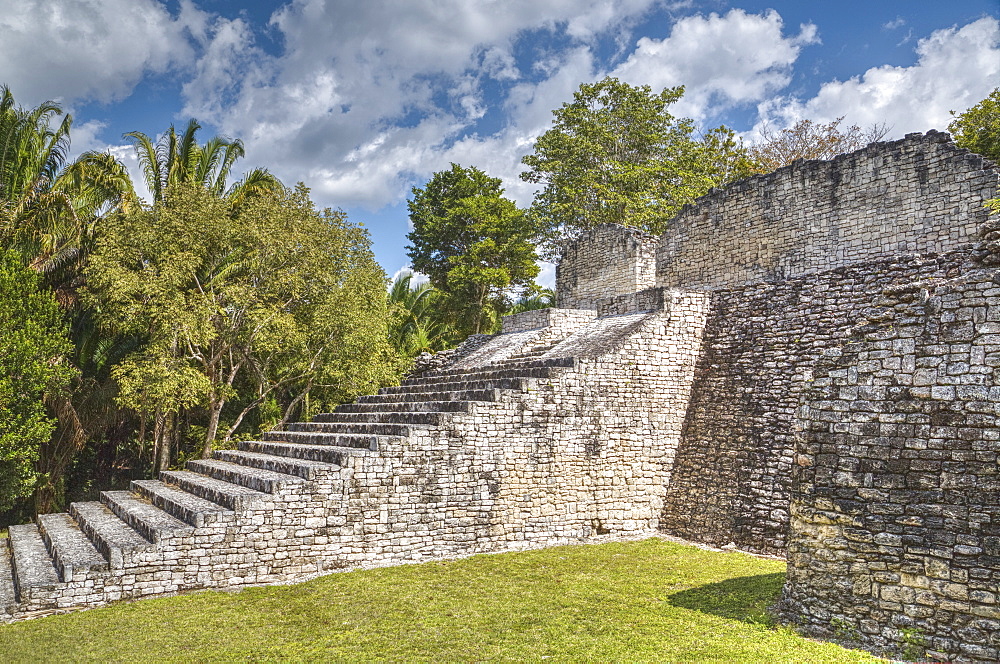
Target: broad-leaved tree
x=473 y=244
x=33 y=367
x=616 y=154
x=273 y=296
x=978 y=128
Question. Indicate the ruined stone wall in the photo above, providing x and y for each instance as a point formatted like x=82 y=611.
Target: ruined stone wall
x=733 y=476
x=607 y=261
x=895 y=532
x=917 y=195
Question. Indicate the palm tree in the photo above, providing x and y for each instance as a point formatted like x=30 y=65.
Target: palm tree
x=542 y=298
x=51 y=207
x=178 y=158
x=418 y=325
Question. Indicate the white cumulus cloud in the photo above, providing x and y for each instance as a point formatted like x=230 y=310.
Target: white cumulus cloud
x=956 y=67
x=722 y=60
x=366 y=97
x=90 y=49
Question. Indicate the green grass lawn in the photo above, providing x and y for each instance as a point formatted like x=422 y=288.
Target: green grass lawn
x=638 y=601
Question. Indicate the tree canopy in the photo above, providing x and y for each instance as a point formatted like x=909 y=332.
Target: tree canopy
x=276 y=295
x=978 y=128
x=180 y=159
x=616 y=154
x=51 y=203
x=419 y=323
x=217 y=310
x=472 y=243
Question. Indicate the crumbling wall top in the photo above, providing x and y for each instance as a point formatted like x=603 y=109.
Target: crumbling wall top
x=917 y=195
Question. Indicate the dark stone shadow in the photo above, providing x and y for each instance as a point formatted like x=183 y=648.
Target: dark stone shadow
x=745 y=598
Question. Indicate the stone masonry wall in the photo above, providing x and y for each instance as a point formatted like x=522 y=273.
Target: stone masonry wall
x=917 y=195
x=733 y=478
x=895 y=534
x=609 y=260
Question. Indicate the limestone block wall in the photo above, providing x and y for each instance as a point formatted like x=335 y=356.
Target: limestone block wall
x=555 y=321
x=607 y=261
x=733 y=476
x=585 y=452
x=895 y=531
x=916 y=195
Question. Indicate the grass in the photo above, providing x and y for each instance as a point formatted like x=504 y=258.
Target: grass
x=652 y=600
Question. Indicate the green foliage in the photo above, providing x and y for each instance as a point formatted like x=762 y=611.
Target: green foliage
x=33 y=348
x=180 y=159
x=914 y=642
x=615 y=154
x=419 y=323
x=51 y=204
x=649 y=601
x=536 y=298
x=270 y=297
x=49 y=213
x=472 y=243
x=978 y=128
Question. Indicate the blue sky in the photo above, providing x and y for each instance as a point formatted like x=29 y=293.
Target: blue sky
x=362 y=100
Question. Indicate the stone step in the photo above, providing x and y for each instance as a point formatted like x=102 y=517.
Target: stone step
x=224 y=493
x=508 y=363
x=33 y=567
x=514 y=369
x=430 y=419
x=352 y=428
x=461 y=386
x=265 y=481
x=147 y=519
x=464 y=395
x=114 y=538
x=8 y=596
x=532 y=363
x=407 y=407
x=533 y=352
x=317 y=453
x=72 y=552
x=526 y=356
x=358 y=441
x=185 y=506
x=307 y=470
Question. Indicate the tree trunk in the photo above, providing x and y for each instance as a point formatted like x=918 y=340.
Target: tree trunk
x=142 y=436
x=479 y=310
x=214 y=413
x=303 y=395
x=239 y=420
x=162 y=446
x=56 y=454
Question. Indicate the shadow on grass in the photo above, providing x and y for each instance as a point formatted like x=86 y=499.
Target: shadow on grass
x=745 y=598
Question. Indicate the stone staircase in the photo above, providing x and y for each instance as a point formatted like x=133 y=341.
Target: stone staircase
x=229 y=520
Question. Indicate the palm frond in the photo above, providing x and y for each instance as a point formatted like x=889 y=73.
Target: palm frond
x=149 y=162
x=257 y=182
x=234 y=150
